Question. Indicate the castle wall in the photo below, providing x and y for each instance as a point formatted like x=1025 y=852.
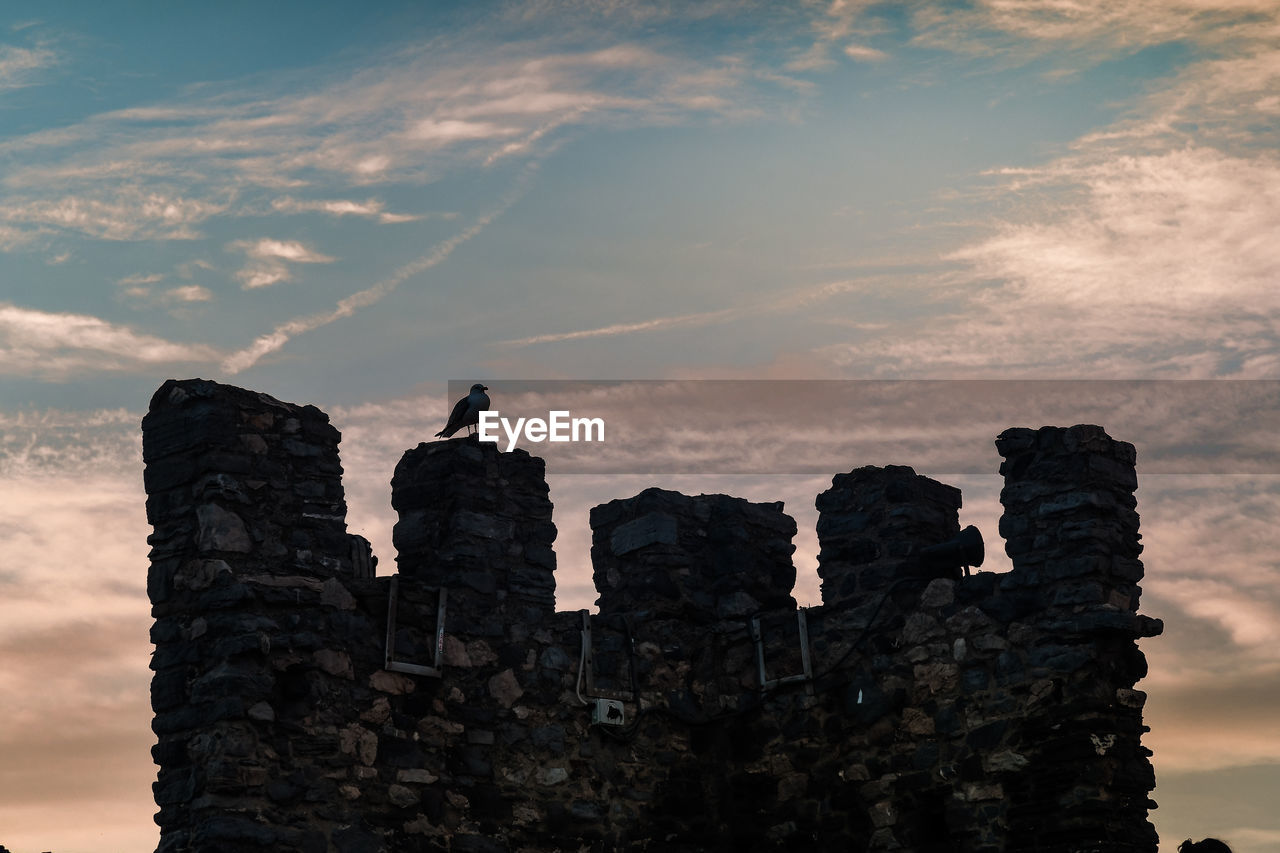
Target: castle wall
x=939 y=712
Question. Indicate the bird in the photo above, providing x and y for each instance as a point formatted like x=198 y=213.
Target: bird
x=466 y=412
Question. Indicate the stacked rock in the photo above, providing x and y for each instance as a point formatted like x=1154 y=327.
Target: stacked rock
x=667 y=555
x=477 y=521
x=250 y=567
x=1071 y=530
x=872 y=525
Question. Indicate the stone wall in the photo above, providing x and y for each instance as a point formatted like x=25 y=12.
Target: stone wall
x=917 y=709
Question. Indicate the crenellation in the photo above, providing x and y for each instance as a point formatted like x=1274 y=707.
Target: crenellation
x=479 y=524
x=703 y=558
x=873 y=523
x=919 y=708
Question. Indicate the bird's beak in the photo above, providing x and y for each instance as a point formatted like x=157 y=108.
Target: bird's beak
x=484 y=387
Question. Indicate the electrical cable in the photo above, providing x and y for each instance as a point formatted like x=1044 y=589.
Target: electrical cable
x=582 y=655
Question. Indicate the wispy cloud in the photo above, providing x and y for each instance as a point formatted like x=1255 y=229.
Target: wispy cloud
x=271 y=259
x=1093 y=27
x=188 y=293
x=158 y=170
x=285 y=250
x=235 y=153
x=124 y=213
x=833 y=26
x=140 y=278
x=370 y=208
x=18 y=63
x=60 y=472
x=787 y=300
x=701 y=318
x=140 y=286
x=245 y=358
x=1174 y=241
x=1150 y=260
x=1147 y=248
x=862 y=53
x=445 y=131
x=58 y=345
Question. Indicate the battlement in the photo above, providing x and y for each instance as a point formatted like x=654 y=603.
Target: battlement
x=304 y=704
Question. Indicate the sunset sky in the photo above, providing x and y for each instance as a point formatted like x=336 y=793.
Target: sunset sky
x=351 y=204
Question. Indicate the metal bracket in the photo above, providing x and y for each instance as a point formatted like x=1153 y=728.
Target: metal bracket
x=404 y=666
x=589 y=668
x=757 y=634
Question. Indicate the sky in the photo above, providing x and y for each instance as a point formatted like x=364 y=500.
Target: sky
x=352 y=205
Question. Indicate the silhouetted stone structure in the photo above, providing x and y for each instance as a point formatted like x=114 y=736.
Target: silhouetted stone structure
x=909 y=712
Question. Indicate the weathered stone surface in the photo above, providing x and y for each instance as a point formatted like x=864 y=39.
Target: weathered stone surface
x=656 y=528
x=391 y=682
x=221 y=530
x=873 y=523
x=701 y=558
x=334 y=594
x=505 y=689
x=335 y=663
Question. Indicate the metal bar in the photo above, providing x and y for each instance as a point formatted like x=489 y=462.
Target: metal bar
x=588 y=662
x=390 y=645
x=442 y=595
x=757 y=634
x=758 y=637
x=390 y=663
x=589 y=687
x=802 y=623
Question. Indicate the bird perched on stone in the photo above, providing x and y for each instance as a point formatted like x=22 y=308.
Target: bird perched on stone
x=466 y=412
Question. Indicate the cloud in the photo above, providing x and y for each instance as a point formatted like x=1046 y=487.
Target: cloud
x=843 y=24
x=138 y=286
x=56 y=346
x=17 y=63
x=128 y=213
x=188 y=293
x=263 y=275
x=370 y=208
x=701 y=318
x=786 y=301
x=140 y=278
x=162 y=171
x=1243 y=731
x=264 y=345
x=1228 y=101
x=1187 y=229
x=1250 y=621
x=1093 y=27
x=12 y=238
x=1146 y=248
x=287 y=250
x=75 y=626
x=862 y=53
x=456 y=130
x=271 y=259
x=411 y=117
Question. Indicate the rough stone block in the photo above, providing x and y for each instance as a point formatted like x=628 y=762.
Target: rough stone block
x=221 y=530
x=656 y=528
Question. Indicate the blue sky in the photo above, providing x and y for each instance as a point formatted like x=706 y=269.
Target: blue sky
x=350 y=206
